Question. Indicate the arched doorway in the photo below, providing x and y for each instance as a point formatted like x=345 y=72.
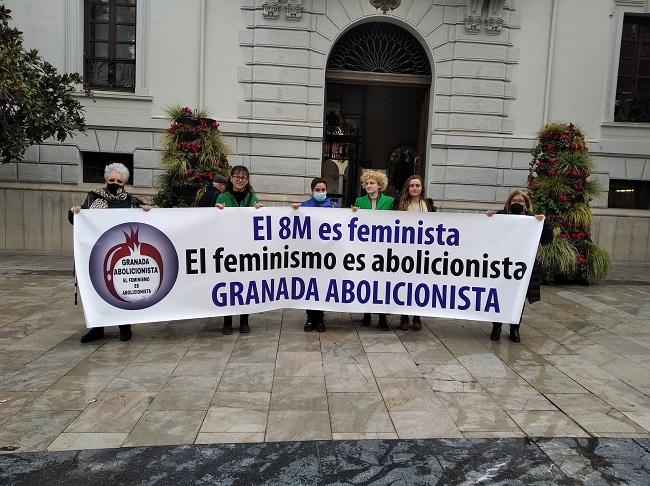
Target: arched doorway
x=378 y=80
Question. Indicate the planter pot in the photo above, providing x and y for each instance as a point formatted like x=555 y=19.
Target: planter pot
x=188 y=136
x=208 y=121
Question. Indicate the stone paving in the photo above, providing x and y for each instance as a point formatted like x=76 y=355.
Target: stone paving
x=582 y=370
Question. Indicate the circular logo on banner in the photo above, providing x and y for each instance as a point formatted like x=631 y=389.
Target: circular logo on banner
x=133 y=266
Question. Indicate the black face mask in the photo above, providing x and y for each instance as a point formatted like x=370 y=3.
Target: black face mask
x=114 y=188
x=516 y=208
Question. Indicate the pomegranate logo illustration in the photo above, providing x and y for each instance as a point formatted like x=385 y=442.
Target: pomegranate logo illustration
x=133 y=266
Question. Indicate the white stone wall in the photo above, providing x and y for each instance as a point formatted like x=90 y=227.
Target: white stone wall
x=263 y=79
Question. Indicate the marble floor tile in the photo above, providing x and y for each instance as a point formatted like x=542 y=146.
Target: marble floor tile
x=12 y=402
x=112 y=412
x=165 y=428
x=240 y=420
x=299 y=393
x=248 y=400
x=86 y=440
x=308 y=342
x=157 y=353
x=363 y=435
x=600 y=422
x=382 y=343
x=476 y=412
x=202 y=363
x=641 y=416
x=299 y=363
x=547 y=379
x=359 y=412
x=393 y=365
x=228 y=437
x=379 y=462
x=408 y=394
x=349 y=378
x=424 y=424
x=64 y=399
x=293 y=425
x=249 y=351
x=142 y=377
x=185 y=393
x=547 y=424
x=247 y=377
x=578 y=401
x=486 y=365
x=34 y=430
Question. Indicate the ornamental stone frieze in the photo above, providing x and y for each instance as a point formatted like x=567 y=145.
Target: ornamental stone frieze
x=484 y=12
x=292 y=9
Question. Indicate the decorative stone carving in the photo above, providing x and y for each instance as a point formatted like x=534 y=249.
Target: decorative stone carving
x=493 y=25
x=294 y=9
x=271 y=9
x=488 y=12
x=473 y=24
x=385 y=5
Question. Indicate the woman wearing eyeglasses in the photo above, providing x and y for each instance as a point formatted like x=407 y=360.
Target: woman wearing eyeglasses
x=238 y=194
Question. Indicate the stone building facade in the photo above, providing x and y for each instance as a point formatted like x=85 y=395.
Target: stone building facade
x=500 y=70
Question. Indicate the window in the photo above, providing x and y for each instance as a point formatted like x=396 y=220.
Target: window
x=94 y=163
x=109 y=52
x=629 y=194
x=633 y=87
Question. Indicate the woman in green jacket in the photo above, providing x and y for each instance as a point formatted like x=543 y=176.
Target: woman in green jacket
x=374 y=182
x=238 y=194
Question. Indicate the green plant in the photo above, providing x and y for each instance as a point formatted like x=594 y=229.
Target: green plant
x=559 y=187
x=195 y=152
x=36 y=101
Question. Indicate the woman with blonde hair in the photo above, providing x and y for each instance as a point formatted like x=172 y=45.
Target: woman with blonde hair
x=519 y=203
x=412 y=199
x=374 y=182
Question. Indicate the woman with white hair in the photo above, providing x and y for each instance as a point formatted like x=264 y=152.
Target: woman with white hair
x=111 y=196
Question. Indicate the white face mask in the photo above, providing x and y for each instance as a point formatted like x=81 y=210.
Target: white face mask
x=320 y=196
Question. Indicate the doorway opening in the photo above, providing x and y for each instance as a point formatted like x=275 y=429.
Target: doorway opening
x=378 y=80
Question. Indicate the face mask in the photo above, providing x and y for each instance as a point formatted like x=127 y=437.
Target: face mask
x=320 y=196
x=516 y=208
x=114 y=188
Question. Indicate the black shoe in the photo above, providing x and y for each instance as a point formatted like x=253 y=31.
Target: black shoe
x=366 y=320
x=125 y=332
x=243 y=324
x=404 y=323
x=514 y=333
x=417 y=324
x=309 y=327
x=93 y=335
x=320 y=326
x=227 y=325
x=496 y=331
x=383 y=323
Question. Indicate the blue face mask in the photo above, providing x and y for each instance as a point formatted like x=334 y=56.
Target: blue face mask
x=320 y=196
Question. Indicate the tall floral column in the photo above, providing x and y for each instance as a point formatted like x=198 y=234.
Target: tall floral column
x=559 y=186
x=194 y=153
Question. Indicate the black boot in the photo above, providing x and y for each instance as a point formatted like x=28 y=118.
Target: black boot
x=227 y=325
x=514 y=333
x=404 y=323
x=383 y=323
x=496 y=331
x=366 y=320
x=125 y=332
x=243 y=324
x=417 y=323
x=93 y=335
x=309 y=326
x=320 y=325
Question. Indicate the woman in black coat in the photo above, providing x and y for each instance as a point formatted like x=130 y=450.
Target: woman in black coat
x=113 y=195
x=519 y=203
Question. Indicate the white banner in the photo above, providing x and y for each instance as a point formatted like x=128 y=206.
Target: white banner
x=166 y=264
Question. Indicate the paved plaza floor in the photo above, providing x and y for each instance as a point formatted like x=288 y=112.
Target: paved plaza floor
x=581 y=371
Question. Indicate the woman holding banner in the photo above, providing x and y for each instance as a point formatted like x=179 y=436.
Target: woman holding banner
x=374 y=182
x=238 y=194
x=319 y=199
x=519 y=203
x=112 y=196
x=412 y=199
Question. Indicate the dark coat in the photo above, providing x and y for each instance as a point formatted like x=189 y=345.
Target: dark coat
x=209 y=199
x=129 y=202
x=534 y=292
